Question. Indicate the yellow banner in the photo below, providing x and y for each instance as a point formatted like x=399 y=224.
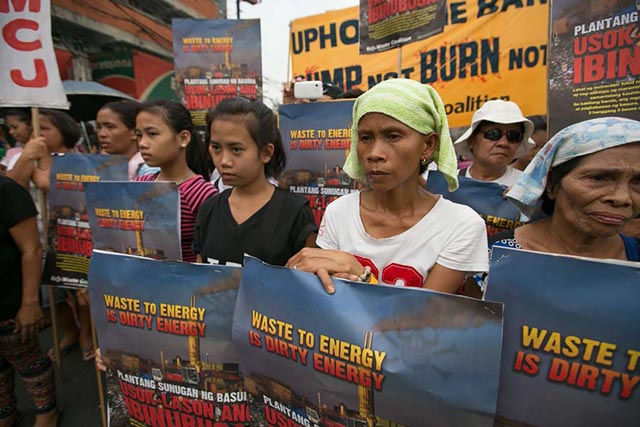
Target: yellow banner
x=489 y=49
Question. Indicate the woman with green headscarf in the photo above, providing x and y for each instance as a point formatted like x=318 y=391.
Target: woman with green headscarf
x=394 y=231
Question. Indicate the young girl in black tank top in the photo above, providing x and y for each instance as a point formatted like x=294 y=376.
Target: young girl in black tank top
x=253 y=217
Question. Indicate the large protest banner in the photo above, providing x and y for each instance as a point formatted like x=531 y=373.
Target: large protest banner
x=165 y=333
x=594 y=61
x=483 y=54
x=215 y=60
x=28 y=68
x=486 y=198
x=70 y=247
x=316 y=138
x=135 y=218
x=387 y=24
x=368 y=355
x=570 y=351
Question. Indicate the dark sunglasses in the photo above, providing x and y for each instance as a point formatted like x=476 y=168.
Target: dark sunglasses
x=514 y=136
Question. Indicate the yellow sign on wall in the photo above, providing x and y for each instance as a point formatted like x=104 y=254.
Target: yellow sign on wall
x=489 y=49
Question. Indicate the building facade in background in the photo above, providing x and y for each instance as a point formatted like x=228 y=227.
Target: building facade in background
x=124 y=44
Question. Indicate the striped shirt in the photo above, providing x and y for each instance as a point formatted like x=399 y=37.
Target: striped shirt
x=193 y=192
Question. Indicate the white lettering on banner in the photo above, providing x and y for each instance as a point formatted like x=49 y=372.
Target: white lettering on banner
x=28 y=67
x=606 y=23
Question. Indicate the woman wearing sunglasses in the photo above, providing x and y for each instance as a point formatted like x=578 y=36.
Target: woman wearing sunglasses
x=498 y=134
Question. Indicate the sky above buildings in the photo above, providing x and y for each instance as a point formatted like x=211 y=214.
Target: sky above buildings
x=275 y=16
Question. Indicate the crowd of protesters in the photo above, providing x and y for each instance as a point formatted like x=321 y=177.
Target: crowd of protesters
x=582 y=186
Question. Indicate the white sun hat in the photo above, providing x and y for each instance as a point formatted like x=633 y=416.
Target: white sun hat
x=497 y=111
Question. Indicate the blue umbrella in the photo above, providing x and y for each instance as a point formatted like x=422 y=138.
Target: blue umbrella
x=86 y=98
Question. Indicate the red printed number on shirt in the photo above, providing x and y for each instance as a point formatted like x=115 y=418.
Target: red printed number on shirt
x=367 y=262
x=395 y=274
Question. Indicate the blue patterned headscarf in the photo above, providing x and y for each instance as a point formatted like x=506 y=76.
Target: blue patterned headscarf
x=574 y=141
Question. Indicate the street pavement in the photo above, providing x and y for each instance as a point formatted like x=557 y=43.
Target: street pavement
x=78 y=395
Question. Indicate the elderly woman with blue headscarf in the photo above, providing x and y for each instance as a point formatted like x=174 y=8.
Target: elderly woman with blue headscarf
x=588 y=179
x=394 y=231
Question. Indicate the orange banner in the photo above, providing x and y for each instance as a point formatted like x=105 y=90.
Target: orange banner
x=489 y=49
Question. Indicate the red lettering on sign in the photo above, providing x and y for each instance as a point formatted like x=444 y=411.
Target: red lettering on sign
x=18 y=5
x=40 y=80
x=10 y=34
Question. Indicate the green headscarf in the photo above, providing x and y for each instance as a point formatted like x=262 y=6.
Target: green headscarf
x=415 y=105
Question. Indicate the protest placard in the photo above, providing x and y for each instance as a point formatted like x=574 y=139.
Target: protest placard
x=386 y=24
x=135 y=218
x=165 y=334
x=69 y=237
x=316 y=138
x=570 y=349
x=594 y=61
x=367 y=355
x=215 y=60
x=486 y=198
x=28 y=67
